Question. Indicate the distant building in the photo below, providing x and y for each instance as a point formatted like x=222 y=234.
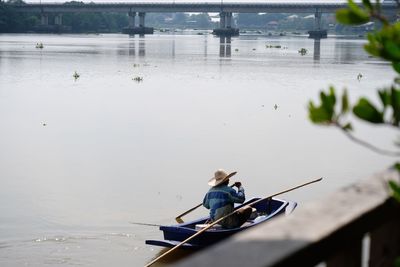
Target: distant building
x=292 y=17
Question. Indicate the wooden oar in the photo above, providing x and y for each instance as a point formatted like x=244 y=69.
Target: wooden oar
x=226 y=216
x=146 y=224
x=179 y=217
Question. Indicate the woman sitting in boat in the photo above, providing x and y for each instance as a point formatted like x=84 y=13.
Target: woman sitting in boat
x=221 y=197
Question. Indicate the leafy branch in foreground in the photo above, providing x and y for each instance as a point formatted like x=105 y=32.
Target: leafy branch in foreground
x=333 y=113
x=384 y=44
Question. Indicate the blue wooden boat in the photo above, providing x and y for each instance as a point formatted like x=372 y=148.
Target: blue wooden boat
x=266 y=210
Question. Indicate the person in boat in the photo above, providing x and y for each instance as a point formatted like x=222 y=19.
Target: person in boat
x=220 y=200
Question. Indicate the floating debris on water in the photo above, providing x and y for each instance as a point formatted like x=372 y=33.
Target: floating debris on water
x=303 y=51
x=138 y=79
x=236 y=50
x=359 y=76
x=76 y=75
x=273 y=46
x=275 y=106
x=135 y=65
x=39 y=45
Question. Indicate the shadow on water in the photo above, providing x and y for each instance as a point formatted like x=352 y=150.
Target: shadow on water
x=171 y=259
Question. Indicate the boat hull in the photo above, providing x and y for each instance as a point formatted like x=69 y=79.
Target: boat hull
x=174 y=234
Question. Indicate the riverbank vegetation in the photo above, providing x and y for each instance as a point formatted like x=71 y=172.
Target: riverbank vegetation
x=12 y=21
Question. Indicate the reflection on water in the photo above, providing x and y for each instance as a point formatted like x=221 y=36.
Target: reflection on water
x=346 y=52
x=343 y=52
x=225 y=46
x=137 y=41
x=317 y=49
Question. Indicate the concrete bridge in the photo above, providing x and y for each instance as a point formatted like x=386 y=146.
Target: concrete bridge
x=225 y=10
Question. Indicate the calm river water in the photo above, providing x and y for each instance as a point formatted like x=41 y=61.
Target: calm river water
x=80 y=159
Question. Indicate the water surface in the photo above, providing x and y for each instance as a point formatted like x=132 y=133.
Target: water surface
x=80 y=159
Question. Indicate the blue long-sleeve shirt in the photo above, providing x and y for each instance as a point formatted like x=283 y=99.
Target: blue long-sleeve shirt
x=220 y=199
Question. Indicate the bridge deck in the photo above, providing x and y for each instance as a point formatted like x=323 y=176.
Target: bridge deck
x=157 y=7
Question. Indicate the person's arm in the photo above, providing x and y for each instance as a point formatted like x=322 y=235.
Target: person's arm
x=206 y=202
x=239 y=196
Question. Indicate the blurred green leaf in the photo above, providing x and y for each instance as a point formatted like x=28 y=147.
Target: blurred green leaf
x=392 y=49
x=396 y=66
x=349 y=17
x=328 y=101
x=395 y=102
x=385 y=43
x=396 y=166
x=345 y=102
x=353 y=6
x=385 y=97
x=326 y=111
x=366 y=111
x=397 y=262
x=368 y=5
x=372 y=46
x=395 y=190
x=318 y=115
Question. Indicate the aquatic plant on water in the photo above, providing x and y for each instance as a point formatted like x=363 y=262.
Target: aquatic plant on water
x=273 y=46
x=76 y=75
x=138 y=79
x=303 y=51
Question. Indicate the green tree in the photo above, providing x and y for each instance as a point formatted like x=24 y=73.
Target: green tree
x=202 y=20
x=179 y=18
x=334 y=110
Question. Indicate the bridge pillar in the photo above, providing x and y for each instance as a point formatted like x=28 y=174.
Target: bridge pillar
x=141 y=19
x=317 y=32
x=317 y=20
x=58 y=19
x=228 y=23
x=222 y=17
x=141 y=29
x=44 y=19
x=225 y=25
x=131 y=20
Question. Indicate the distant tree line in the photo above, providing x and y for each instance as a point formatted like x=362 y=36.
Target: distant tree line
x=12 y=21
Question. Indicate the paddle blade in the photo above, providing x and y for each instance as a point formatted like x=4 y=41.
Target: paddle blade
x=179 y=220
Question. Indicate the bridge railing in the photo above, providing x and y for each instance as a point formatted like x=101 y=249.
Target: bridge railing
x=356 y=226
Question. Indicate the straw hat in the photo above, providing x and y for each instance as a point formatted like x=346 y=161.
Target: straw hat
x=220 y=176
